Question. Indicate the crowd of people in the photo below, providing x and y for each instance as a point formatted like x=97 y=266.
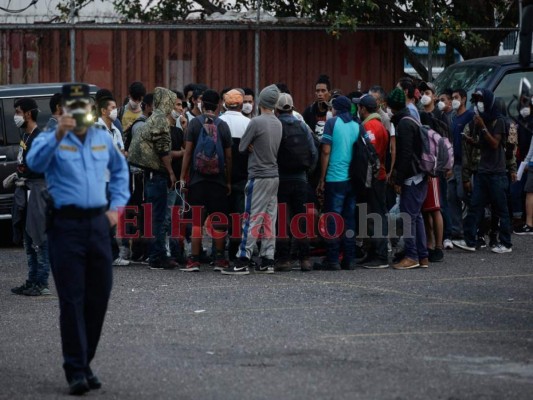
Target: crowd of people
x=270 y=188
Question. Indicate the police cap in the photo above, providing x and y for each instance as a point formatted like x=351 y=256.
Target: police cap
x=76 y=93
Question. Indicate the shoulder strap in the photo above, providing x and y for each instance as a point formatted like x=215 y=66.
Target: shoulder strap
x=412 y=119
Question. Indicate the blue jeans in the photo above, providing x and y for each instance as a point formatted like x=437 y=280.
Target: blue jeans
x=455 y=200
x=411 y=200
x=173 y=243
x=38 y=261
x=488 y=188
x=155 y=187
x=340 y=199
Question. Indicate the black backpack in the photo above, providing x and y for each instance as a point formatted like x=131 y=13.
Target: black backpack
x=364 y=167
x=128 y=133
x=294 y=154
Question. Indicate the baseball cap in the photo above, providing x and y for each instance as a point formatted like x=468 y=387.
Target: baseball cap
x=427 y=86
x=233 y=98
x=75 y=93
x=285 y=102
x=367 y=101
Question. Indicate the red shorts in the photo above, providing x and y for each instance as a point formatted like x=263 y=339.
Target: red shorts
x=432 y=202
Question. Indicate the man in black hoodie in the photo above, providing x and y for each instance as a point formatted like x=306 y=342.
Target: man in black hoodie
x=409 y=182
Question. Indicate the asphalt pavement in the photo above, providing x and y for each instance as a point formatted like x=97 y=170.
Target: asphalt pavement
x=461 y=329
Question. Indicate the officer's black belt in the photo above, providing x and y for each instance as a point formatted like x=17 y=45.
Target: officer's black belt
x=75 y=212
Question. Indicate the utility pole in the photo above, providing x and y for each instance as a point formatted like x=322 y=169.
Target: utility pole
x=430 y=40
x=72 y=41
x=257 y=51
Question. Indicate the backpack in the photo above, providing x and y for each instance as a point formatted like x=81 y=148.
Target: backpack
x=437 y=151
x=128 y=133
x=294 y=153
x=364 y=167
x=208 y=157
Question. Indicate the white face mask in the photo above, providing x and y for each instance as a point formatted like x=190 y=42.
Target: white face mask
x=525 y=112
x=19 y=120
x=134 y=105
x=441 y=105
x=247 y=108
x=389 y=112
x=200 y=107
x=456 y=104
x=113 y=114
x=329 y=115
x=425 y=100
x=175 y=114
x=480 y=106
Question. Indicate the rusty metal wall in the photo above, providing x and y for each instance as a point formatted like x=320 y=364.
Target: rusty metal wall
x=218 y=58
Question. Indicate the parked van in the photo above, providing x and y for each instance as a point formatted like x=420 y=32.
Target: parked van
x=10 y=135
x=500 y=74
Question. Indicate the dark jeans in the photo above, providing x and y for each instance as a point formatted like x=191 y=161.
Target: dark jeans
x=155 y=186
x=444 y=207
x=81 y=264
x=236 y=205
x=455 y=199
x=294 y=195
x=38 y=262
x=376 y=197
x=340 y=200
x=173 y=242
x=488 y=188
x=414 y=233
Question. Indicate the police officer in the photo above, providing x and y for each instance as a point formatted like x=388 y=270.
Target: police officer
x=74 y=158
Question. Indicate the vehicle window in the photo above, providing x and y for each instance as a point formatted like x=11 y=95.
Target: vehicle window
x=466 y=77
x=13 y=133
x=507 y=89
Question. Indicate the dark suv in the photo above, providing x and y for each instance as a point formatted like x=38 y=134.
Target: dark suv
x=500 y=74
x=10 y=134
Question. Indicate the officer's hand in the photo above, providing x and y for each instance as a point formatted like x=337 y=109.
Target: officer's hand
x=65 y=124
x=112 y=216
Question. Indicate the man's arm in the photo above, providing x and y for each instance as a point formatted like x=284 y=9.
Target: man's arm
x=185 y=164
x=324 y=162
x=247 y=138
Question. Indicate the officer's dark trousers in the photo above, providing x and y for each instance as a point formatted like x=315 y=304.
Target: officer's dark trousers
x=80 y=254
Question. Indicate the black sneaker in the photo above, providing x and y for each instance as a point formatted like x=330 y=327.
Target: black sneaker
x=239 y=267
x=524 y=230
x=167 y=263
x=37 y=290
x=435 y=255
x=266 y=267
x=376 y=263
x=78 y=386
x=481 y=243
x=324 y=266
x=20 y=289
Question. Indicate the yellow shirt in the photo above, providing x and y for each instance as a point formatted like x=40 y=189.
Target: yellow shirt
x=129 y=116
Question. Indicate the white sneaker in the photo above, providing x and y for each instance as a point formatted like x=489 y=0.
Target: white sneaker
x=462 y=245
x=500 y=249
x=121 y=262
x=447 y=244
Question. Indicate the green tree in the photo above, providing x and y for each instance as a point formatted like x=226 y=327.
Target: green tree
x=447 y=21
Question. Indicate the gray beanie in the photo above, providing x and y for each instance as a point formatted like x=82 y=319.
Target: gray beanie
x=269 y=97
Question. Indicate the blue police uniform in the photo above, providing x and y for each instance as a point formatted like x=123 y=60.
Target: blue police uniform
x=79 y=240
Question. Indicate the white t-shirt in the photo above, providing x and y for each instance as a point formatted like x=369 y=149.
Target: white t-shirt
x=236 y=121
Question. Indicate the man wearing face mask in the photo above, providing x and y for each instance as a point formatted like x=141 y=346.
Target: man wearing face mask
x=74 y=158
x=248 y=103
x=461 y=117
x=150 y=150
x=195 y=104
x=108 y=112
x=525 y=153
x=132 y=110
x=33 y=190
x=487 y=132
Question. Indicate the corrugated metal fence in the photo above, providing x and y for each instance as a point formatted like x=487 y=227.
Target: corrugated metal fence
x=113 y=58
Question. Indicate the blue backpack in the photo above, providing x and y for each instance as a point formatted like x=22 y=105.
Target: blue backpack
x=208 y=157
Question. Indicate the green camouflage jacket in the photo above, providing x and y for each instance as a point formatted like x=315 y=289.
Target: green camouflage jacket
x=152 y=141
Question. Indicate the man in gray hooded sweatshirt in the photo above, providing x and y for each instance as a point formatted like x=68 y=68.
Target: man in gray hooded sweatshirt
x=261 y=140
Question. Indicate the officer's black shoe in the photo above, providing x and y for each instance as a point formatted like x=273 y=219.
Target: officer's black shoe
x=93 y=382
x=78 y=386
